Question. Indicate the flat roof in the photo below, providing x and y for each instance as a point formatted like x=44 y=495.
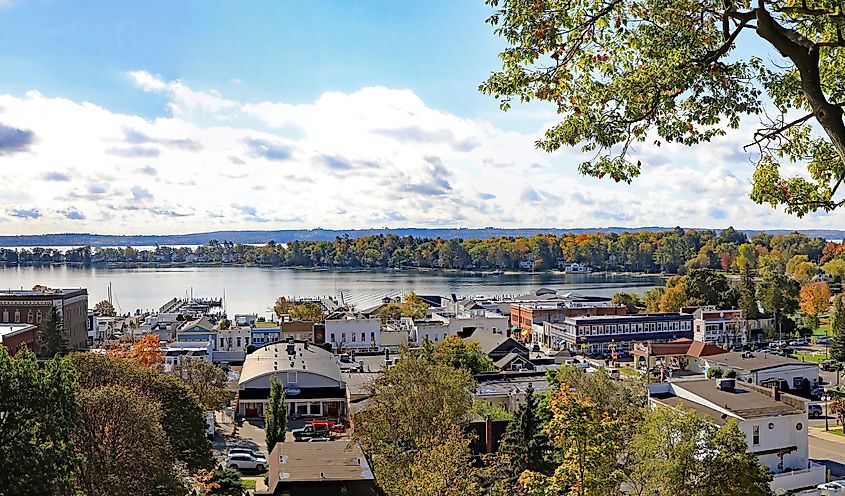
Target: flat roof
x=6 y=329
x=49 y=292
x=755 y=361
x=338 y=460
x=745 y=402
x=646 y=317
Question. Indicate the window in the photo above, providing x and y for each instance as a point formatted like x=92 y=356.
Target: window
x=17 y=316
x=238 y=342
x=353 y=337
x=29 y=317
x=363 y=337
x=291 y=378
x=38 y=317
x=342 y=337
x=755 y=435
x=222 y=342
x=332 y=338
x=373 y=337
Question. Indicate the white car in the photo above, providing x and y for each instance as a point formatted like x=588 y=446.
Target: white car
x=246 y=461
x=835 y=487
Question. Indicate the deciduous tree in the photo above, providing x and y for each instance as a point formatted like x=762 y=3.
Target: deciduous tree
x=147 y=352
x=207 y=381
x=105 y=308
x=308 y=311
x=627 y=76
x=123 y=445
x=814 y=299
x=459 y=353
x=282 y=306
x=37 y=453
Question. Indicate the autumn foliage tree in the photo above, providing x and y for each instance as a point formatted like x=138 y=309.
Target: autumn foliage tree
x=147 y=352
x=814 y=299
x=627 y=76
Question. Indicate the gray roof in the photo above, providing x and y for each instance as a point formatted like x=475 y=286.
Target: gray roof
x=497 y=387
x=318 y=462
x=745 y=401
x=317 y=361
x=755 y=361
x=488 y=340
x=507 y=359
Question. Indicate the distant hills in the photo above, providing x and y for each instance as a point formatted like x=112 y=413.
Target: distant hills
x=284 y=236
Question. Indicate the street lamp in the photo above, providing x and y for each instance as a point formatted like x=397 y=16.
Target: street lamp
x=825 y=398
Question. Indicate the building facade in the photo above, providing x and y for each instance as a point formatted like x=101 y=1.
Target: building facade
x=354 y=334
x=33 y=306
x=16 y=336
x=524 y=315
x=725 y=328
x=603 y=335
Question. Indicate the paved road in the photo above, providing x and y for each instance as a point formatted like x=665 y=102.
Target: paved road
x=829 y=453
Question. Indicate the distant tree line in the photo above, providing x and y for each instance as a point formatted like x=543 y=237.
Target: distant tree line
x=674 y=251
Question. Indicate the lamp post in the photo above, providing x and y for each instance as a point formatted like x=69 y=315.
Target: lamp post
x=825 y=398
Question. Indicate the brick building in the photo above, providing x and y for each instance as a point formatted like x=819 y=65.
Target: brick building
x=33 y=306
x=524 y=315
x=16 y=336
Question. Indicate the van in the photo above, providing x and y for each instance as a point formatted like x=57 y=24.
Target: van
x=209 y=424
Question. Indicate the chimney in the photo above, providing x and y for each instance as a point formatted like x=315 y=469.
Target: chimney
x=775 y=392
x=488 y=434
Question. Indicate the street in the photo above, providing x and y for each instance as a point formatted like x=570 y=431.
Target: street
x=828 y=451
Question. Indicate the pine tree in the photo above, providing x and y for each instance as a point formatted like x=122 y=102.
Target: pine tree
x=276 y=415
x=524 y=446
x=51 y=336
x=837 y=330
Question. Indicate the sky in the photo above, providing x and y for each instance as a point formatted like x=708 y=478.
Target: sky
x=166 y=117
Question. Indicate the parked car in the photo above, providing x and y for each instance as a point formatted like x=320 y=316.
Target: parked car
x=822 y=340
x=816 y=392
x=814 y=410
x=310 y=431
x=246 y=461
x=244 y=451
x=837 y=485
x=799 y=342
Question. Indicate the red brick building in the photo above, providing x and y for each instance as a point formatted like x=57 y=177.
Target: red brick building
x=16 y=336
x=33 y=306
x=523 y=315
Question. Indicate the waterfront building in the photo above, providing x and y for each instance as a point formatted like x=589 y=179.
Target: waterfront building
x=775 y=424
x=176 y=353
x=354 y=333
x=604 y=335
x=526 y=315
x=263 y=333
x=200 y=330
x=310 y=374
x=33 y=306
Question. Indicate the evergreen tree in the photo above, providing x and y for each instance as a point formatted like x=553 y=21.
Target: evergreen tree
x=837 y=330
x=748 y=297
x=51 y=336
x=524 y=446
x=276 y=415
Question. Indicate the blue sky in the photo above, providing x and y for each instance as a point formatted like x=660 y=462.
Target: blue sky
x=144 y=117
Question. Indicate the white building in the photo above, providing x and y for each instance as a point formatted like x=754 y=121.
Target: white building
x=725 y=328
x=763 y=369
x=177 y=352
x=354 y=333
x=775 y=424
x=231 y=344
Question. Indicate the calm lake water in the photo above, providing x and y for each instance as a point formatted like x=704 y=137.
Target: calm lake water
x=253 y=289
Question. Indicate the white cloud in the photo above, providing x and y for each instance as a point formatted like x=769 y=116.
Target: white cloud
x=373 y=157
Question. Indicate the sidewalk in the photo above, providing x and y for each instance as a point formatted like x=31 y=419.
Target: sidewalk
x=827 y=436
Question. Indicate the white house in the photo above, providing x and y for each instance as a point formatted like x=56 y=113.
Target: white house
x=231 y=344
x=775 y=424
x=353 y=333
x=725 y=328
x=177 y=352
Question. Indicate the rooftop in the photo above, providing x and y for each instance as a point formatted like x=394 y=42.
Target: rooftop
x=755 y=361
x=6 y=329
x=316 y=360
x=45 y=292
x=599 y=319
x=328 y=461
x=745 y=401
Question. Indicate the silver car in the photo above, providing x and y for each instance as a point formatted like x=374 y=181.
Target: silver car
x=246 y=461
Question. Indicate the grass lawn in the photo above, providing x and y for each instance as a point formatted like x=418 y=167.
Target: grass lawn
x=249 y=484
x=823 y=329
x=811 y=357
x=833 y=430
